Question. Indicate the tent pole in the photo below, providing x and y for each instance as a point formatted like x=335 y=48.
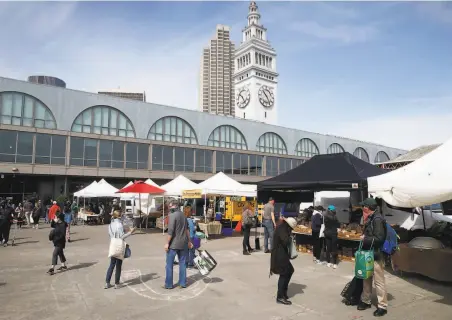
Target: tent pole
x=423 y=217
x=163 y=229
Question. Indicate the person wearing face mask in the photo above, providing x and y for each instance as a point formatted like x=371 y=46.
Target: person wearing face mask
x=178 y=243
x=373 y=237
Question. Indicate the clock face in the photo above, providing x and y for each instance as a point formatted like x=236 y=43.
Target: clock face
x=243 y=98
x=266 y=96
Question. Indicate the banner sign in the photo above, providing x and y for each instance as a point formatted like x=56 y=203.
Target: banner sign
x=192 y=194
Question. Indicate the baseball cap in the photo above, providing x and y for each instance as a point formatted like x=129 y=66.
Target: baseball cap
x=331 y=207
x=369 y=202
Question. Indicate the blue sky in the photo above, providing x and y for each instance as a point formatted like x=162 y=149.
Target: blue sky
x=374 y=71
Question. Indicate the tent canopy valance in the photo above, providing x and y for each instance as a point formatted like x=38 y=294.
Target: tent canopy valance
x=326 y=172
x=423 y=182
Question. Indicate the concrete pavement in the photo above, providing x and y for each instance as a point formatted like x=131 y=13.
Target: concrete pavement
x=239 y=288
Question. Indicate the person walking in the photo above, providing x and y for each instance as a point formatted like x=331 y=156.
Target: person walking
x=38 y=212
x=116 y=230
x=316 y=225
x=373 y=237
x=20 y=214
x=192 y=230
x=58 y=237
x=6 y=220
x=68 y=219
x=74 y=209
x=331 y=228
x=247 y=224
x=54 y=209
x=280 y=258
x=28 y=209
x=177 y=243
x=269 y=224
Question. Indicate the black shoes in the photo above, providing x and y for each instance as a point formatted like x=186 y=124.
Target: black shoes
x=246 y=253
x=62 y=268
x=363 y=306
x=267 y=251
x=380 y=312
x=283 y=301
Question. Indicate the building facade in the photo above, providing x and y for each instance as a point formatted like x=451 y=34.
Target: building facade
x=139 y=96
x=56 y=140
x=216 y=90
x=51 y=81
x=255 y=76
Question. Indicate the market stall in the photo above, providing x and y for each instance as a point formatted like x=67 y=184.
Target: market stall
x=331 y=172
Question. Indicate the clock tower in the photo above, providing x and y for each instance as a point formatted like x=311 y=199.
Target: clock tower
x=255 y=76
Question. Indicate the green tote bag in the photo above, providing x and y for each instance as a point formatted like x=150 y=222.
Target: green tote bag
x=364 y=262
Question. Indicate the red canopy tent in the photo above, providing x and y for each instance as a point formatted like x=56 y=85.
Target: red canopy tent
x=141 y=187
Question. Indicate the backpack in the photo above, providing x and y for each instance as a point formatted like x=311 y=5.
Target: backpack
x=390 y=245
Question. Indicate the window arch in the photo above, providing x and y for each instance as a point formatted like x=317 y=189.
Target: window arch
x=226 y=136
x=271 y=142
x=335 y=148
x=21 y=109
x=381 y=157
x=362 y=154
x=172 y=129
x=306 y=148
x=103 y=120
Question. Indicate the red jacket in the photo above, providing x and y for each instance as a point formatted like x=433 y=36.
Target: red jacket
x=53 y=211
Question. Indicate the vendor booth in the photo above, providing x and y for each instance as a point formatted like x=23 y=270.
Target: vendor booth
x=331 y=172
x=424 y=182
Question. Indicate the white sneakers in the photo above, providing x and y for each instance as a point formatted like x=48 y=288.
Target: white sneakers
x=329 y=265
x=334 y=266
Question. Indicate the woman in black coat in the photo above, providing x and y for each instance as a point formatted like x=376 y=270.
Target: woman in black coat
x=280 y=258
x=331 y=226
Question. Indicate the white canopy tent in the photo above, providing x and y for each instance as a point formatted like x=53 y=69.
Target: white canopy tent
x=104 y=189
x=221 y=184
x=86 y=192
x=425 y=181
x=176 y=186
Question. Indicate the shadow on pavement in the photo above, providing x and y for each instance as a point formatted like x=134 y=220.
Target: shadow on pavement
x=142 y=279
x=295 y=288
x=25 y=242
x=2 y=284
x=82 y=265
x=76 y=240
x=213 y=280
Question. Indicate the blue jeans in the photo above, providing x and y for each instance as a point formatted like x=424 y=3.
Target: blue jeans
x=114 y=263
x=182 y=256
x=191 y=256
x=268 y=233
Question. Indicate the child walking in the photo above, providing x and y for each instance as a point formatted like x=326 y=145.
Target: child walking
x=58 y=237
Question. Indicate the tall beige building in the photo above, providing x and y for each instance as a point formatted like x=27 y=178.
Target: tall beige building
x=216 y=94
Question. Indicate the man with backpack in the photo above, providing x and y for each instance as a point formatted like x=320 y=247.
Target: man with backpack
x=374 y=237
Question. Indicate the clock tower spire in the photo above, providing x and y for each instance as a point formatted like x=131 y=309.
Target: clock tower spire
x=255 y=76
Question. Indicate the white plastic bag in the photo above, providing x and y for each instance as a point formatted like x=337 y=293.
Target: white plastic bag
x=322 y=229
x=292 y=249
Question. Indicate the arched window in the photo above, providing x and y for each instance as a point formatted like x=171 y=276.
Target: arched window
x=173 y=129
x=271 y=142
x=21 y=109
x=335 y=148
x=103 y=120
x=306 y=148
x=381 y=157
x=362 y=154
x=227 y=137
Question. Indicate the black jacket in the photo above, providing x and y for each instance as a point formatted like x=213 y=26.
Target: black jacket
x=6 y=215
x=280 y=259
x=316 y=222
x=331 y=224
x=59 y=234
x=374 y=233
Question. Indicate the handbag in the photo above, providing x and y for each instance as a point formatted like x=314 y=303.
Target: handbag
x=128 y=252
x=292 y=249
x=322 y=228
x=364 y=262
x=352 y=290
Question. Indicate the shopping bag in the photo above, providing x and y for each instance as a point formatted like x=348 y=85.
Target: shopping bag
x=32 y=220
x=364 y=262
x=322 y=229
x=117 y=248
x=204 y=262
x=292 y=249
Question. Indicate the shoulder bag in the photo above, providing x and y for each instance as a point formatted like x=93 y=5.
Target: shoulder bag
x=292 y=249
x=117 y=247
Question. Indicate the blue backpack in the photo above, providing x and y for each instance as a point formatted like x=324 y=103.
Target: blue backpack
x=390 y=245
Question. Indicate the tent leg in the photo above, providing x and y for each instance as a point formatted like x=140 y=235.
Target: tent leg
x=423 y=218
x=163 y=229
